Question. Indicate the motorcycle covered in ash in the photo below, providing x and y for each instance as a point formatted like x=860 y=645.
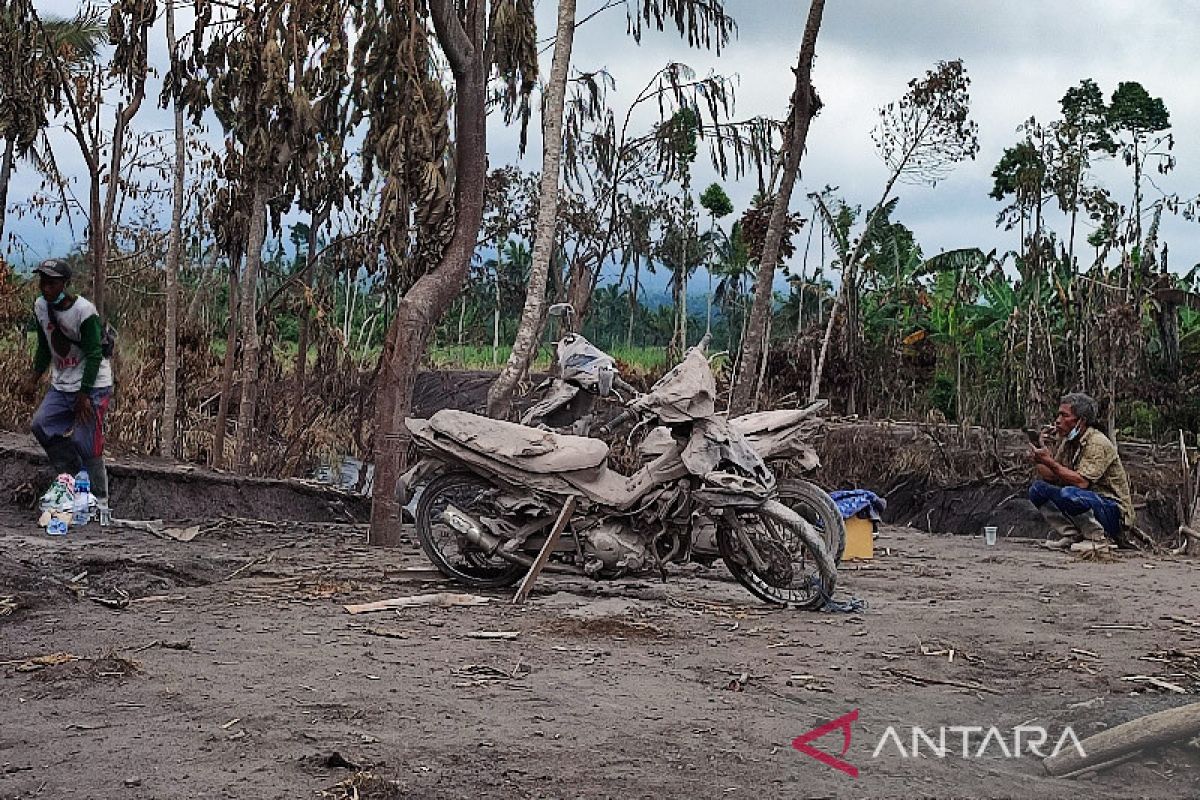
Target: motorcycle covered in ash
x=585 y=374
x=491 y=490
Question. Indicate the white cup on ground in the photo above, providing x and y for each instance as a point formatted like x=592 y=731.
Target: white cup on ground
x=989 y=534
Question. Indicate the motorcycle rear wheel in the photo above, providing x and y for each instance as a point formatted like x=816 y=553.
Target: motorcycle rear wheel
x=814 y=505
x=449 y=550
x=800 y=572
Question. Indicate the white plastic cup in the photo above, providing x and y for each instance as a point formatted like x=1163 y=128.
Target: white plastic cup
x=989 y=534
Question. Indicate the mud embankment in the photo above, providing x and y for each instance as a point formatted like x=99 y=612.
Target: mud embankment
x=945 y=479
x=159 y=489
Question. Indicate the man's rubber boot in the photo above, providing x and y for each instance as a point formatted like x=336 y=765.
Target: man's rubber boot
x=1095 y=538
x=98 y=476
x=1060 y=524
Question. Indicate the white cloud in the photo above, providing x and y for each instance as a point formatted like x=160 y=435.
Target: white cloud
x=1021 y=55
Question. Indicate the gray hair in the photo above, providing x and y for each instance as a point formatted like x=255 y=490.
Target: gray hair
x=1083 y=406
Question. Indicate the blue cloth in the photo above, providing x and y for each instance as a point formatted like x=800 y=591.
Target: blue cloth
x=852 y=501
x=1072 y=500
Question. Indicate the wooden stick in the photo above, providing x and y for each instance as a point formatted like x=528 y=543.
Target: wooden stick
x=975 y=687
x=543 y=555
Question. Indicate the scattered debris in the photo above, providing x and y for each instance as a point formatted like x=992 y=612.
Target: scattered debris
x=118 y=603
x=158 y=598
x=922 y=680
x=492 y=634
x=41 y=662
x=1157 y=682
x=1182 y=621
x=1119 y=627
x=364 y=786
x=8 y=605
x=738 y=683
x=231 y=723
x=435 y=600
x=387 y=633
x=484 y=674
x=186 y=644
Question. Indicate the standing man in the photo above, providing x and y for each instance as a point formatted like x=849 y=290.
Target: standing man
x=69 y=424
x=1083 y=491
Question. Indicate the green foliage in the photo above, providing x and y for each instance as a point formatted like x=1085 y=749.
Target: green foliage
x=716 y=202
x=1134 y=111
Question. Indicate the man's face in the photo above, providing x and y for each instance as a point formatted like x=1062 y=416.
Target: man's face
x=51 y=288
x=1066 y=420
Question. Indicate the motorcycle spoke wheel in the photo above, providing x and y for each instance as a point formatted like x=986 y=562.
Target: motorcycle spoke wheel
x=793 y=575
x=818 y=509
x=450 y=551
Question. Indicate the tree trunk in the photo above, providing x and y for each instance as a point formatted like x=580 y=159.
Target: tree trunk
x=97 y=238
x=5 y=175
x=579 y=289
x=804 y=107
x=633 y=301
x=250 y=343
x=108 y=223
x=174 y=245
x=314 y=222
x=419 y=310
x=231 y=337
x=496 y=318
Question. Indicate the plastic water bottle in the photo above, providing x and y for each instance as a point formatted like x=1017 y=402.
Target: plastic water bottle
x=81 y=512
x=57 y=526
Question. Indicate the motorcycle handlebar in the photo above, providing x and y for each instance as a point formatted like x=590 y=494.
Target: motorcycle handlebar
x=625 y=415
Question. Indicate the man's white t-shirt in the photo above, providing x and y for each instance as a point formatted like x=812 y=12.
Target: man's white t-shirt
x=66 y=357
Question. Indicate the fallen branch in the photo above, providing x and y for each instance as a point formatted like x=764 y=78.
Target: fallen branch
x=436 y=600
x=1172 y=725
x=921 y=679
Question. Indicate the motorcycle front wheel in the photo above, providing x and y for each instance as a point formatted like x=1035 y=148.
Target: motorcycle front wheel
x=450 y=551
x=794 y=567
x=818 y=509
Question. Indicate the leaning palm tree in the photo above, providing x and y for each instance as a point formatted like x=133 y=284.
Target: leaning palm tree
x=36 y=56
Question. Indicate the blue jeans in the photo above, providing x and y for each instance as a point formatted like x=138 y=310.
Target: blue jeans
x=1072 y=501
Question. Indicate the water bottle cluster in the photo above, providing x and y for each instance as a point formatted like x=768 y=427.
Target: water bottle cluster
x=69 y=502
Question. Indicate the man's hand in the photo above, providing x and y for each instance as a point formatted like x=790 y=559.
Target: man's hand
x=1041 y=455
x=83 y=408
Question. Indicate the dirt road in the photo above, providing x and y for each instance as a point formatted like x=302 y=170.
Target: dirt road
x=227 y=667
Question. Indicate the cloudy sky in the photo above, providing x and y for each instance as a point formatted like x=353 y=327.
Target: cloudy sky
x=1021 y=55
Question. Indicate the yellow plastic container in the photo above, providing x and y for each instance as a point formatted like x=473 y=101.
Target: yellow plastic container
x=860 y=539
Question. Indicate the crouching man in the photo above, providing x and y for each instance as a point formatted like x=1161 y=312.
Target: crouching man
x=1083 y=492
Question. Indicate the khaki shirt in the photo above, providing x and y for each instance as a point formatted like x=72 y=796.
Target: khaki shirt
x=1094 y=456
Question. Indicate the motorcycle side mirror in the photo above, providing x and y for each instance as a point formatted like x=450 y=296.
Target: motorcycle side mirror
x=604 y=380
x=564 y=313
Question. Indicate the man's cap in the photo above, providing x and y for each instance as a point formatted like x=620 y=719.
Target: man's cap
x=54 y=268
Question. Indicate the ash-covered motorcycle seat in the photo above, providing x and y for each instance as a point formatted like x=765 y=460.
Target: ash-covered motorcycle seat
x=767 y=421
x=528 y=448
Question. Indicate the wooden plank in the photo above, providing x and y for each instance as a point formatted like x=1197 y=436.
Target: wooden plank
x=1173 y=725
x=543 y=555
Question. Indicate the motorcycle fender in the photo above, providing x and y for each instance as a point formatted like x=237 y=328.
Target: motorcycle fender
x=409 y=485
x=715 y=498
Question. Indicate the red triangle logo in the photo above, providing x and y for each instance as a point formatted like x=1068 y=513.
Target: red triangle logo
x=843 y=724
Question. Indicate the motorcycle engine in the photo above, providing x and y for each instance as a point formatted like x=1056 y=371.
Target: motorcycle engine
x=613 y=549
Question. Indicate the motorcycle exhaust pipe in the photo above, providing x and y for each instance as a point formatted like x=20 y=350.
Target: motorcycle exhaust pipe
x=489 y=543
